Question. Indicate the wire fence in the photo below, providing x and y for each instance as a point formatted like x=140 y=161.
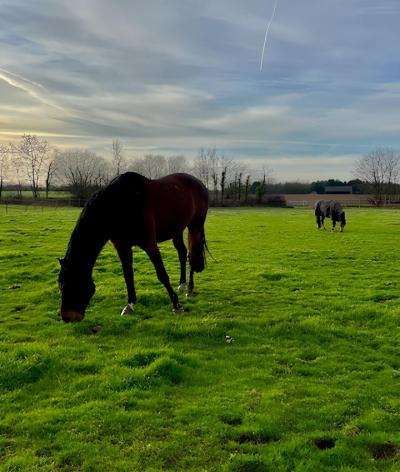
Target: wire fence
x=292 y=201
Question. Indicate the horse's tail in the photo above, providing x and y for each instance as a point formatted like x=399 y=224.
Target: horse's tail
x=197 y=249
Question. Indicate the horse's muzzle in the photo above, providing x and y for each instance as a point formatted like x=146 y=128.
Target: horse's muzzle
x=71 y=315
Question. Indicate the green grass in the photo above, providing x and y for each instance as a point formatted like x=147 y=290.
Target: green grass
x=311 y=381
x=42 y=194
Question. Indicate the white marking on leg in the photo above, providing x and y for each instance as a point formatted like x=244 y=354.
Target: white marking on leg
x=182 y=287
x=128 y=309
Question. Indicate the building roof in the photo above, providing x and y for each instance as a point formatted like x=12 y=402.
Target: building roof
x=338 y=189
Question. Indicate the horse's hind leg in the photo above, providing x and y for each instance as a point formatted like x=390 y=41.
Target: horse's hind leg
x=318 y=218
x=125 y=255
x=196 y=253
x=182 y=253
x=190 y=291
x=154 y=254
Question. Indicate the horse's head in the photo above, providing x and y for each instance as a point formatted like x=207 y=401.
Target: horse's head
x=76 y=291
x=342 y=220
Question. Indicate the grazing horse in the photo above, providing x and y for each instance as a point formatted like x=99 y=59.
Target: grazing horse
x=332 y=209
x=135 y=211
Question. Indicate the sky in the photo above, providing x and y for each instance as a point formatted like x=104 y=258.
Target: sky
x=172 y=76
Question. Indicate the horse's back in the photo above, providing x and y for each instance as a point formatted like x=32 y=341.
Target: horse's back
x=177 y=201
x=324 y=207
x=336 y=207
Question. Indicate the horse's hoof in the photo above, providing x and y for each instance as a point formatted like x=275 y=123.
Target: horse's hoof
x=128 y=310
x=178 y=308
x=182 y=287
x=190 y=294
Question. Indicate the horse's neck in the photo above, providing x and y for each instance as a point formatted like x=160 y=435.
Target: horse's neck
x=85 y=245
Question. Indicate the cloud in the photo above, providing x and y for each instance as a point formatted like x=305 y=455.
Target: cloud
x=33 y=89
x=176 y=76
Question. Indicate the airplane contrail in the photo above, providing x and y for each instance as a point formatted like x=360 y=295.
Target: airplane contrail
x=27 y=86
x=24 y=79
x=266 y=34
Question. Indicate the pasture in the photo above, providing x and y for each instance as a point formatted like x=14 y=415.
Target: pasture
x=286 y=360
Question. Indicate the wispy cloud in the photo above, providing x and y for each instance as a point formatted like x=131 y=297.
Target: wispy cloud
x=33 y=89
x=175 y=76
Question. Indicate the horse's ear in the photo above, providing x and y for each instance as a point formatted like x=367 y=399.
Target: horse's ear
x=60 y=260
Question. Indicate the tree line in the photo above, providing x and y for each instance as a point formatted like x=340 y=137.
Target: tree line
x=33 y=162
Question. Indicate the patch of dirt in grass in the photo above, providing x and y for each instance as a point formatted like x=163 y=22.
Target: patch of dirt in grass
x=231 y=419
x=384 y=451
x=274 y=277
x=18 y=308
x=382 y=298
x=247 y=465
x=141 y=359
x=324 y=443
x=253 y=437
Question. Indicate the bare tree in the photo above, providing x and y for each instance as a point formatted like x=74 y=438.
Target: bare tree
x=239 y=181
x=206 y=166
x=82 y=171
x=246 y=189
x=223 y=182
x=32 y=151
x=118 y=159
x=51 y=170
x=17 y=166
x=154 y=166
x=176 y=164
x=4 y=165
x=134 y=164
x=267 y=178
x=380 y=169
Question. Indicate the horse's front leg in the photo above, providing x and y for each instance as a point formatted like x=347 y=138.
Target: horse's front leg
x=333 y=224
x=182 y=253
x=154 y=254
x=126 y=257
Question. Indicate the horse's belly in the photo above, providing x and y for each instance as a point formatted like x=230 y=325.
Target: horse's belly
x=169 y=232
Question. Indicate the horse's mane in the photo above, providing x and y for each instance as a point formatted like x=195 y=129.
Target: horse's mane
x=126 y=185
x=94 y=220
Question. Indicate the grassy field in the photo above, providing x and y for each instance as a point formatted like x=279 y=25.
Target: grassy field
x=42 y=194
x=309 y=380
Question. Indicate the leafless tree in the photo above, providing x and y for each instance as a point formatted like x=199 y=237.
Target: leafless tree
x=118 y=160
x=154 y=166
x=177 y=164
x=206 y=165
x=380 y=169
x=82 y=171
x=217 y=171
x=4 y=165
x=32 y=151
x=223 y=183
x=246 y=188
x=239 y=181
x=17 y=166
x=51 y=169
x=267 y=178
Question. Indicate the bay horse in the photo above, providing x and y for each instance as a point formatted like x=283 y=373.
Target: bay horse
x=135 y=211
x=329 y=209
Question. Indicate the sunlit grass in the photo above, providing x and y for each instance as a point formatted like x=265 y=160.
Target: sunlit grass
x=309 y=380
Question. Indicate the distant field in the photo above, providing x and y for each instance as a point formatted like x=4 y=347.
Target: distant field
x=310 y=381
x=28 y=194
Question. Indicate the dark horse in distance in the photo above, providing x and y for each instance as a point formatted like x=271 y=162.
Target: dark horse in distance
x=135 y=211
x=329 y=209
